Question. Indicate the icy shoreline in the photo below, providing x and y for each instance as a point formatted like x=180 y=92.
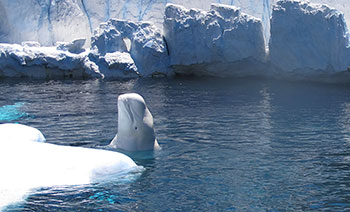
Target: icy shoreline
x=307 y=41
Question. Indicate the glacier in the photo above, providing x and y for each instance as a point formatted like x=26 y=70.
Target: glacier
x=36 y=61
x=142 y=40
x=220 y=42
x=308 y=39
x=119 y=49
x=48 y=21
x=129 y=39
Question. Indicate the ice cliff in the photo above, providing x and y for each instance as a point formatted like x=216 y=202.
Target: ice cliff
x=223 y=41
x=49 y=21
x=306 y=39
x=120 y=49
x=44 y=21
x=142 y=40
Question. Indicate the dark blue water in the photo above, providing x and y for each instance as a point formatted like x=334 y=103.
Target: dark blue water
x=227 y=145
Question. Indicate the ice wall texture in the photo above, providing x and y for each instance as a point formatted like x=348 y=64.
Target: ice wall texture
x=120 y=49
x=45 y=21
x=308 y=38
x=221 y=41
x=142 y=40
x=48 y=21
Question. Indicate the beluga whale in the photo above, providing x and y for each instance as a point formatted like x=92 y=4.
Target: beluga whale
x=25 y=153
x=135 y=125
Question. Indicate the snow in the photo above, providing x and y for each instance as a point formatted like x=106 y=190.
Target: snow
x=34 y=165
x=54 y=62
x=44 y=21
x=48 y=21
x=76 y=46
x=120 y=49
x=142 y=40
x=20 y=133
x=223 y=41
x=114 y=65
x=308 y=39
x=37 y=62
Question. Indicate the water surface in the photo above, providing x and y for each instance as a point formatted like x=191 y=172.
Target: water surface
x=227 y=145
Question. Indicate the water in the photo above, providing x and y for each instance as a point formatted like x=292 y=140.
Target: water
x=12 y=112
x=227 y=145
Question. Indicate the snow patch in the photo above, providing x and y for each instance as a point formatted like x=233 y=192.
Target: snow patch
x=142 y=40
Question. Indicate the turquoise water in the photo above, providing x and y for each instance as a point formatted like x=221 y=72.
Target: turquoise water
x=12 y=112
x=227 y=145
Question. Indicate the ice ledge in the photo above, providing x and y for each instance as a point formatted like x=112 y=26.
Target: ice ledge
x=51 y=62
x=307 y=41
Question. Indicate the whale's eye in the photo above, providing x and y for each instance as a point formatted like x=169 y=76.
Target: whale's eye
x=135 y=128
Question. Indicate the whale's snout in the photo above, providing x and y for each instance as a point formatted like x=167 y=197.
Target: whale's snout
x=132 y=106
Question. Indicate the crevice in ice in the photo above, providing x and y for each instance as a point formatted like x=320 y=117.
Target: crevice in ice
x=87 y=14
x=266 y=20
x=142 y=13
x=125 y=9
x=45 y=6
x=41 y=17
x=253 y=6
x=166 y=46
x=4 y=26
x=49 y=21
x=107 y=10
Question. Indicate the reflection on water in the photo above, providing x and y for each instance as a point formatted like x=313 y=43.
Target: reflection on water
x=235 y=145
x=345 y=121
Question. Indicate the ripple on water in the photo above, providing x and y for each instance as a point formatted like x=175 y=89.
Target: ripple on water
x=227 y=145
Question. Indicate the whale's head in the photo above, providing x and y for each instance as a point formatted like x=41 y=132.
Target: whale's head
x=135 y=125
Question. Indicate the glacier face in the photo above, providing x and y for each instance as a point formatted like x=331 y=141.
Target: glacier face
x=45 y=21
x=222 y=41
x=142 y=40
x=32 y=60
x=308 y=38
x=120 y=49
x=49 y=21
